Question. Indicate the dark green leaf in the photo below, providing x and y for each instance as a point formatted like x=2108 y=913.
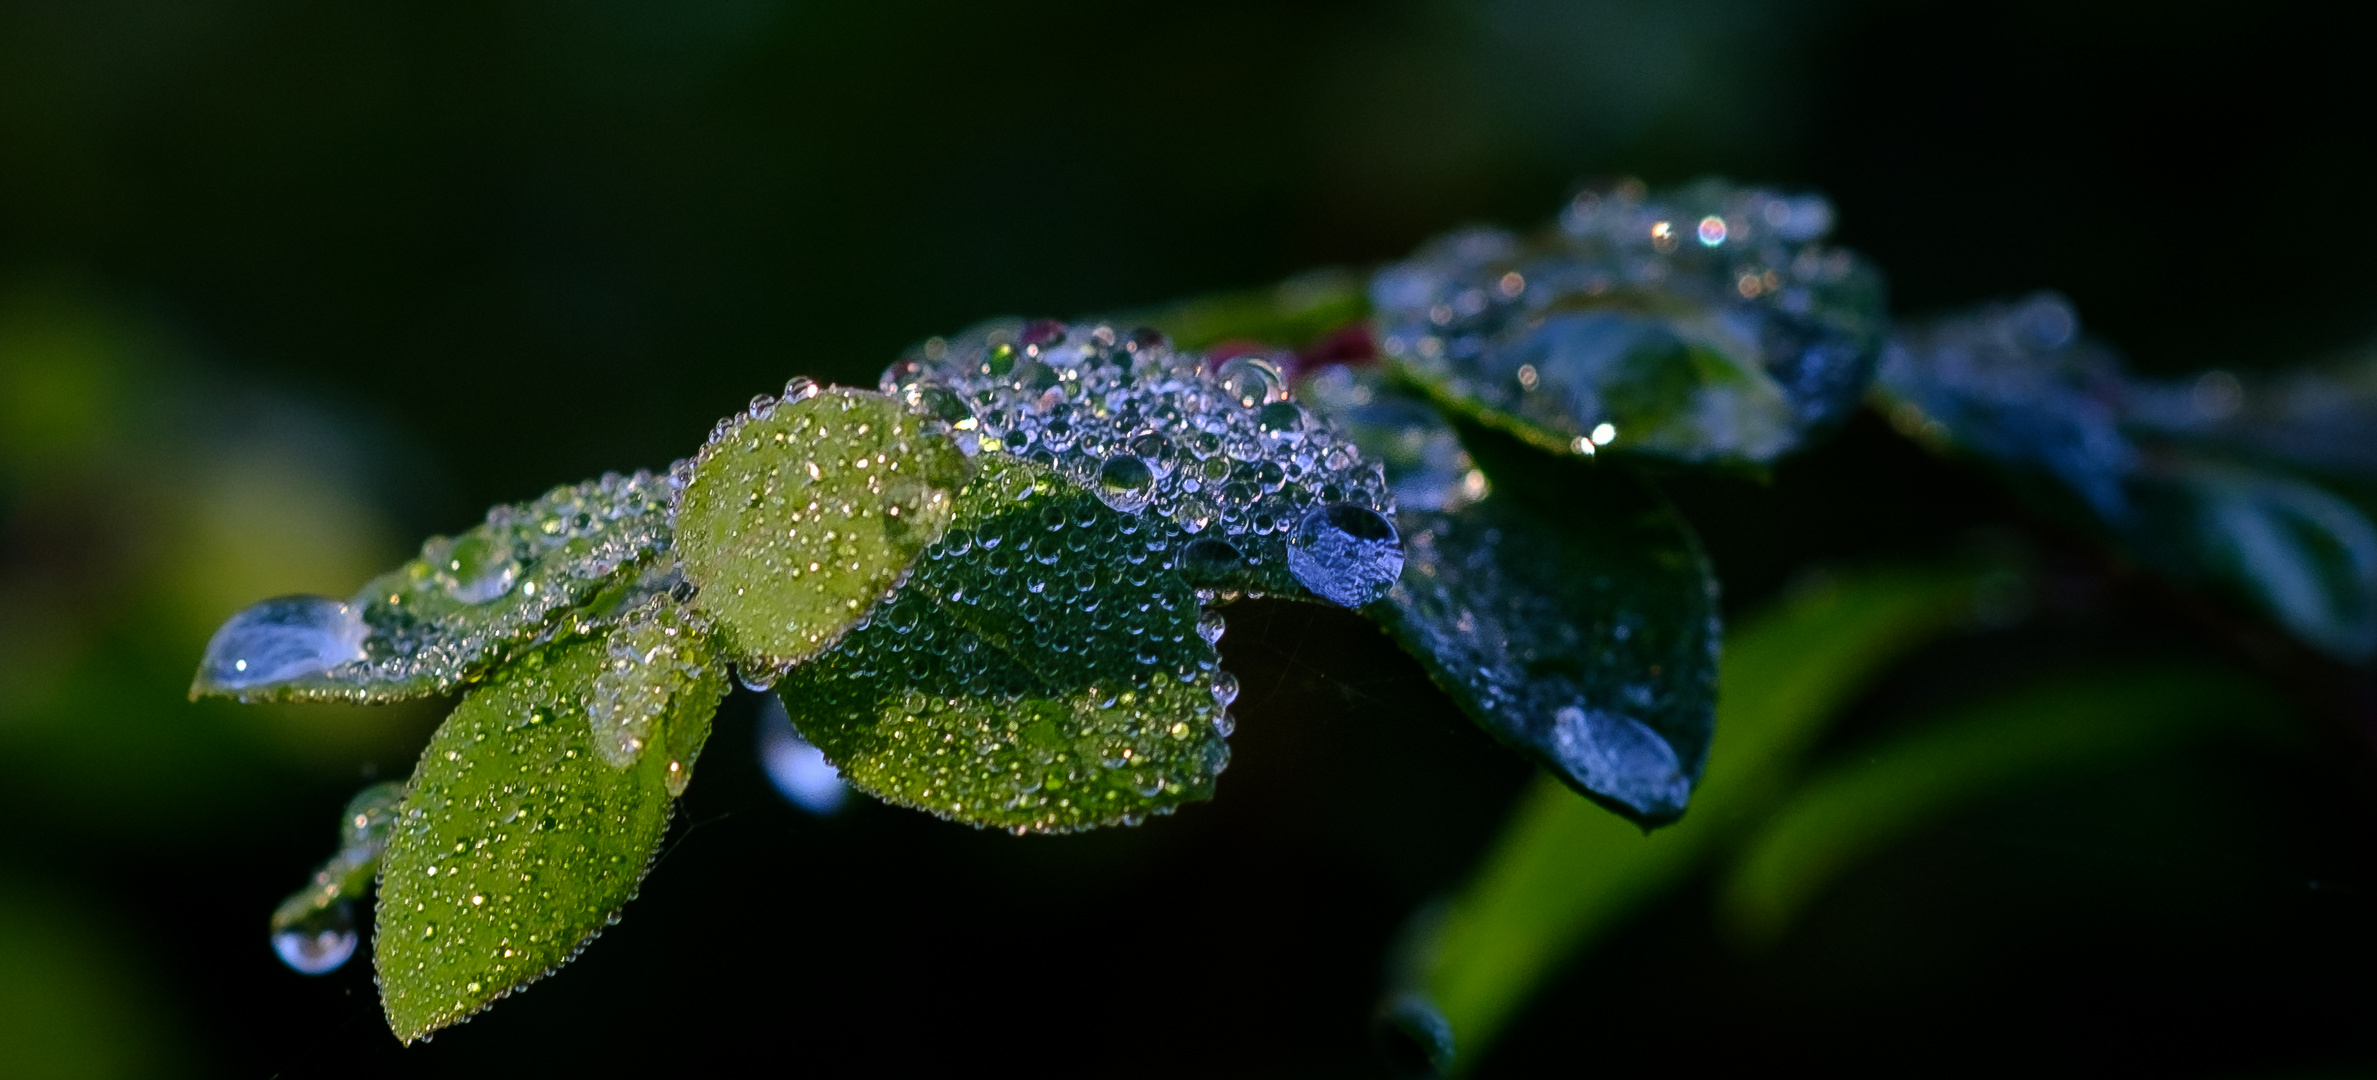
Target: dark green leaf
x=518 y=841
x=1044 y=669
x=1586 y=639
x=467 y=603
x=1703 y=325
x=802 y=514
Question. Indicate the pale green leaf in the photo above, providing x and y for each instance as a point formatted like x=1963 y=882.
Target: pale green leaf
x=517 y=841
x=803 y=513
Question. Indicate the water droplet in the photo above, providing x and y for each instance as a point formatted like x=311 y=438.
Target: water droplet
x=322 y=943
x=1209 y=557
x=799 y=770
x=474 y=569
x=1251 y=381
x=1125 y=482
x=1225 y=689
x=281 y=639
x=1346 y=554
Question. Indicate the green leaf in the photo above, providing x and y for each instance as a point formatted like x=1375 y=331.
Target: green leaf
x=803 y=513
x=1044 y=669
x=1889 y=792
x=1584 y=637
x=1563 y=873
x=314 y=929
x=468 y=603
x=517 y=841
x=1701 y=325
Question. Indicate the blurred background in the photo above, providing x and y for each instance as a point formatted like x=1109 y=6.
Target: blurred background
x=286 y=288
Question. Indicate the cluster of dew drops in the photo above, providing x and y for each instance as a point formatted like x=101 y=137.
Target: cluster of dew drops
x=1210 y=445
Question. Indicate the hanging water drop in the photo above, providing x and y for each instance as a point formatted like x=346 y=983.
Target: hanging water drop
x=320 y=944
x=1346 y=554
x=284 y=638
x=799 y=770
x=1125 y=482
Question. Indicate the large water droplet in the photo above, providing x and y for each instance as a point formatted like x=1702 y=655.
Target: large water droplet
x=1210 y=557
x=1251 y=381
x=1621 y=757
x=799 y=770
x=474 y=569
x=1125 y=482
x=1346 y=554
x=281 y=639
x=321 y=944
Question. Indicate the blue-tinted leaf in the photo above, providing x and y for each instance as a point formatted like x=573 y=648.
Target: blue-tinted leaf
x=1220 y=449
x=1045 y=668
x=1706 y=324
x=2153 y=468
x=1883 y=794
x=1563 y=873
x=465 y=604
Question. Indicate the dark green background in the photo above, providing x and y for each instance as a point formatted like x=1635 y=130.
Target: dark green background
x=496 y=246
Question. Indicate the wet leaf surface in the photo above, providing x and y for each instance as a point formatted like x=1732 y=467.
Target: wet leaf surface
x=517 y=842
x=1707 y=324
x=467 y=603
x=801 y=514
x=1045 y=669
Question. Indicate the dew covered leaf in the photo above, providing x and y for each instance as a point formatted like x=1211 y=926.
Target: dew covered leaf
x=467 y=603
x=314 y=929
x=1045 y=668
x=801 y=514
x=518 y=841
x=1585 y=637
x=1705 y=325
x=1219 y=448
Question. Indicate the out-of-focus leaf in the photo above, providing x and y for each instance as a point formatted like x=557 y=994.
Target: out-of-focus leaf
x=1562 y=873
x=517 y=841
x=2302 y=554
x=314 y=929
x=2146 y=467
x=1290 y=313
x=801 y=514
x=1703 y=325
x=1888 y=792
x=1044 y=669
x=465 y=604
x=1276 y=500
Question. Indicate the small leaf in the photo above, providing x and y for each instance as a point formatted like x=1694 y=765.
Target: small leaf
x=466 y=604
x=517 y=842
x=803 y=513
x=1220 y=449
x=314 y=929
x=2303 y=555
x=1044 y=669
x=1588 y=639
x=1704 y=325
x=1562 y=873
x=1883 y=794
